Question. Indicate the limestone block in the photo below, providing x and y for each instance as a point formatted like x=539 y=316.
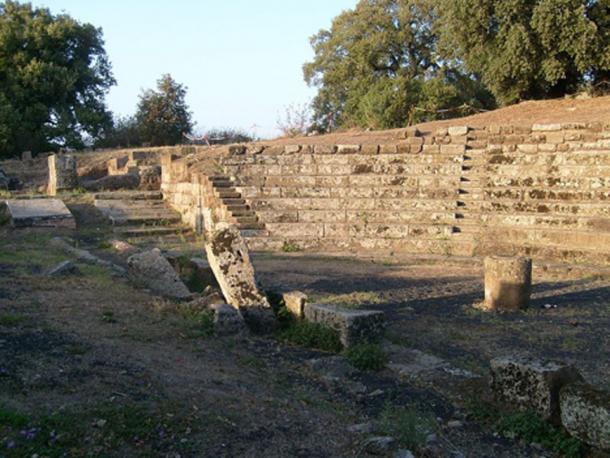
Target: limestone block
x=354 y=326
x=230 y=261
x=292 y=149
x=530 y=384
x=545 y=127
x=508 y=283
x=458 y=131
x=155 y=272
x=585 y=414
x=325 y=149
x=348 y=149
x=63 y=173
x=39 y=213
x=295 y=303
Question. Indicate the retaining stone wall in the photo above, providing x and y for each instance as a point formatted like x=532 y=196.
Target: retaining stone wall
x=543 y=191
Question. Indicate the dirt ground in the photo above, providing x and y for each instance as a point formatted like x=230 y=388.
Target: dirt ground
x=91 y=365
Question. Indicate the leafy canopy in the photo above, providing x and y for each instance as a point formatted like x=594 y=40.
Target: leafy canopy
x=162 y=115
x=54 y=76
x=526 y=49
x=378 y=67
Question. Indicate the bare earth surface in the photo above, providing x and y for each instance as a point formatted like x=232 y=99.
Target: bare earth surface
x=91 y=365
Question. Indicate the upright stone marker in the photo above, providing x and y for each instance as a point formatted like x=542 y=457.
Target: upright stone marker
x=508 y=283
x=62 y=173
x=229 y=259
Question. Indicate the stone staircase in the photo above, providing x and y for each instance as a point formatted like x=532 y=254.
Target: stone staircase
x=234 y=208
x=139 y=213
x=471 y=198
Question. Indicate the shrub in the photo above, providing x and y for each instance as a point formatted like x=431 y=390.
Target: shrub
x=311 y=335
x=367 y=356
x=407 y=424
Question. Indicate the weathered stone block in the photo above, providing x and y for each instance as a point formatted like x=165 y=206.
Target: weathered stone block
x=227 y=320
x=39 y=213
x=508 y=283
x=585 y=414
x=545 y=127
x=230 y=261
x=155 y=272
x=530 y=384
x=324 y=149
x=458 y=131
x=348 y=149
x=63 y=173
x=354 y=326
x=295 y=303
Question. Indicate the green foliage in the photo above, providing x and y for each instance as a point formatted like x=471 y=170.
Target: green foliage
x=367 y=356
x=196 y=323
x=163 y=116
x=528 y=49
x=124 y=132
x=54 y=75
x=311 y=335
x=227 y=136
x=407 y=425
x=10 y=319
x=529 y=427
x=378 y=67
x=289 y=247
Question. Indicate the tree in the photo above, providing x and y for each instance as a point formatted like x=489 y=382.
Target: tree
x=123 y=132
x=378 y=67
x=54 y=76
x=527 y=49
x=162 y=115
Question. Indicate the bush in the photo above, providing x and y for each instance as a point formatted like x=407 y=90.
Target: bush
x=407 y=424
x=367 y=356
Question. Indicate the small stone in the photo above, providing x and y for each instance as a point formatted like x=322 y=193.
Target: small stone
x=455 y=424
x=379 y=445
x=63 y=268
x=362 y=428
x=431 y=438
x=122 y=247
x=404 y=453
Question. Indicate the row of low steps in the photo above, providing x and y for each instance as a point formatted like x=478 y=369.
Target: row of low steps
x=139 y=213
x=240 y=213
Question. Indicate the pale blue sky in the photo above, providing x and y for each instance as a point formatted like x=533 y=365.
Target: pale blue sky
x=241 y=59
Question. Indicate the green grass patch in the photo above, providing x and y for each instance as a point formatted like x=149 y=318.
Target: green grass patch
x=357 y=299
x=196 y=324
x=528 y=427
x=408 y=425
x=311 y=335
x=8 y=319
x=367 y=356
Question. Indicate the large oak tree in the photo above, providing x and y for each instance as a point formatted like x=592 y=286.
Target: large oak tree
x=54 y=75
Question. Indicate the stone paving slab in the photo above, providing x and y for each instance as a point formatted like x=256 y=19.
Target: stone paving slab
x=39 y=213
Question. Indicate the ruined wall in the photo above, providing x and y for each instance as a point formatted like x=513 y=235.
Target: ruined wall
x=542 y=191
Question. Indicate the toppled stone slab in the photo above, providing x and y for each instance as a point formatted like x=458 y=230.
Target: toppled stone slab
x=63 y=268
x=39 y=213
x=295 y=303
x=530 y=384
x=230 y=261
x=354 y=326
x=227 y=320
x=585 y=414
x=85 y=256
x=151 y=269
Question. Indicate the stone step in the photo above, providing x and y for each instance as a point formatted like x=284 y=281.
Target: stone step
x=224 y=185
x=239 y=209
x=251 y=219
x=129 y=195
x=233 y=201
x=225 y=194
x=250 y=226
x=255 y=233
x=129 y=205
x=466 y=229
x=166 y=219
x=214 y=178
x=150 y=231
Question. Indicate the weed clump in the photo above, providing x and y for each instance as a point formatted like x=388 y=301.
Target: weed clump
x=529 y=427
x=290 y=247
x=306 y=334
x=407 y=425
x=367 y=356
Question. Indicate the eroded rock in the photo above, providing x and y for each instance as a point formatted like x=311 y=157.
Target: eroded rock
x=585 y=414
x=295 y=303
x=63 y=268
x=531 y=384
x=230 y=261
x=354 y=326
x=155 y=272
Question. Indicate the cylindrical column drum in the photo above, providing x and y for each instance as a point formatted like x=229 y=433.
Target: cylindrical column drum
x=508 y=283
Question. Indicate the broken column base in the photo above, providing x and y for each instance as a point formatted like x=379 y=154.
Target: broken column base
x=585 y=414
